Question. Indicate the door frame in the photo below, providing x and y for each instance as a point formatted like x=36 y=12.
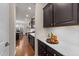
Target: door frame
x=12 y=29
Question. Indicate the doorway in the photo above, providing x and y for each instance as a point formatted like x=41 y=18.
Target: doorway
x=25 y=29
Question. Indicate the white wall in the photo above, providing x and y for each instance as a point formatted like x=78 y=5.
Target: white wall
x=68 y=35
x=4 y=28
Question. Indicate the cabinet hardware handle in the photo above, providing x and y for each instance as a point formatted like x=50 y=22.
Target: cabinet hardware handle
x=54 y=54
x=51 y=24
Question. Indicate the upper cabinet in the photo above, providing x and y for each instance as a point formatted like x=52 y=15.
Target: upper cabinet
x=48 y=15
x=62 y=14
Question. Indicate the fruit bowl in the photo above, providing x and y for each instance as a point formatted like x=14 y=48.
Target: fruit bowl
x=52 y=42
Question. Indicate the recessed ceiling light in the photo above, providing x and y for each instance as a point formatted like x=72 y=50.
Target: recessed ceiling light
x=29 y=8
x=27 y=15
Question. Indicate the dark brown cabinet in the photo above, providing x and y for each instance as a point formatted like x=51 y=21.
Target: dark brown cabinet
x=48 y=15
x=31 y=40
x=45 y=50
x=52 y=52
x=41 y=49
x=61 y=14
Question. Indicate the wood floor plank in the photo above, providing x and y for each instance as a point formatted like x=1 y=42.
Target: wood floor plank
x=24 y=48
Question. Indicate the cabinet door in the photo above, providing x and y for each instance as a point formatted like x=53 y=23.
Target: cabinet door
x=41 y=49
x=31 y=40
x=77 y=4
x=63 y=13
x=48 y=15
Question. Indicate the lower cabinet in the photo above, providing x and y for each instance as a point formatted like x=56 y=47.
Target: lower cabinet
x=41 y=49
x=53 y=52
x=31 y=40
x=45 y=50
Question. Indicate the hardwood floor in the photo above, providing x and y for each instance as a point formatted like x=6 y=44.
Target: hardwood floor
x=24 y=48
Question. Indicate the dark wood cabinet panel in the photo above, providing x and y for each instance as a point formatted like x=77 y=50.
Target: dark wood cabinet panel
x=48 y=15
x=53 y=52
x=77 y=12
x=45 y=50
x=61 y=14
x=31 y=40
x=41 y=49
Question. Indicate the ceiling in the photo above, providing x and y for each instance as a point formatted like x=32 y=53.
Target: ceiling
x=22 y=10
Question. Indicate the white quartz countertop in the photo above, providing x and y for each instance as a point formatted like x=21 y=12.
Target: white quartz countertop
x=33 y=34
x=61 y=48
